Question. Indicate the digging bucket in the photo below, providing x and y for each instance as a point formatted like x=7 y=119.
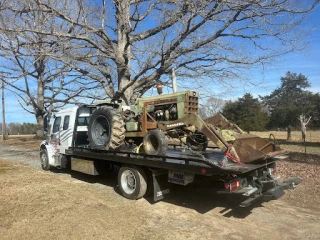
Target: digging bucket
x=250 y=148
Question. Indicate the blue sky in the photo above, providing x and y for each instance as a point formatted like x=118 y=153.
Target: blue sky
x=306 y=62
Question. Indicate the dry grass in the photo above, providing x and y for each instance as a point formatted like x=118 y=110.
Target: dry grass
x=24 y=141
x=44 y=205
x=295 y=145
x=312 y=136
x=41 y=205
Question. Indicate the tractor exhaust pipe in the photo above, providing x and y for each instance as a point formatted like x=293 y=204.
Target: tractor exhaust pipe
x=174 y=81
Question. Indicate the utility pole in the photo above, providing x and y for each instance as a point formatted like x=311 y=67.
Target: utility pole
x=3 y=112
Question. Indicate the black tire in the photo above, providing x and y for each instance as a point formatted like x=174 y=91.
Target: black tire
x=155 y=143
x=106 y=129
x=198 y=142
x=132 y=182
x=44 y=160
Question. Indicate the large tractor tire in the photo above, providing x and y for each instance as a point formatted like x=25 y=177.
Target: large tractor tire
x=155 y=143
x=106 y=129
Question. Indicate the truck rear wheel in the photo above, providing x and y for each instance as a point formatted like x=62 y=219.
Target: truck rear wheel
x=44 y=160
x=132 y=182
x=106 y=129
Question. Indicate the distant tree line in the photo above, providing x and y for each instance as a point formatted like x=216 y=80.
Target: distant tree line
x=18 y=128
x=281 y=109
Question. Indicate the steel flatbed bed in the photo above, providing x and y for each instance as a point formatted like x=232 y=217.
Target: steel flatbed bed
x=211 y=163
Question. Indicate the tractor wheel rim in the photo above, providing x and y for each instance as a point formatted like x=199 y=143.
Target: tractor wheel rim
x=101 y=130
x=152 y=144
x=128 y=182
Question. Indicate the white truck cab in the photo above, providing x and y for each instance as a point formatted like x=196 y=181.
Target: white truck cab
x=70 y=127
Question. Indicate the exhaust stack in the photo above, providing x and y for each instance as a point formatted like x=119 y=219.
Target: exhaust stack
x=174 y=81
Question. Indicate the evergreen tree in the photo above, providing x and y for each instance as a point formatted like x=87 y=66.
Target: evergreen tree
x=315 y=113
x=288 y=101
x=247 y=113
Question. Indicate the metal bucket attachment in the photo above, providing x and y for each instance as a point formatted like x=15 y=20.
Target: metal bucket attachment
x=237 y=145
x=245 y=147
x=250 y=148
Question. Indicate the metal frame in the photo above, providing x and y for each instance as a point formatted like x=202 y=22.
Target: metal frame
x=194 y=165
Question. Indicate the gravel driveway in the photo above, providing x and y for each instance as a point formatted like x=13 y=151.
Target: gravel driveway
x=19 y=155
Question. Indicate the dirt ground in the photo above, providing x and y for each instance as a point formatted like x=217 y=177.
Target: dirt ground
x=36 y=204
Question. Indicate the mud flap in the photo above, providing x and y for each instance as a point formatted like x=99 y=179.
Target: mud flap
x=161 y=186
x=273 y=193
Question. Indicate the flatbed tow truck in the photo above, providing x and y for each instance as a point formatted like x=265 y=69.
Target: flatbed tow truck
x=141 y=173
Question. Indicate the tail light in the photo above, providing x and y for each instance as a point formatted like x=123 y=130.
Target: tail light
x=233 y=185
x=272 y=171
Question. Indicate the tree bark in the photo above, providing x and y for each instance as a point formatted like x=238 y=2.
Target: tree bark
x=39 y=108
x=123 y=51
x=289 y=133
x=3 y=112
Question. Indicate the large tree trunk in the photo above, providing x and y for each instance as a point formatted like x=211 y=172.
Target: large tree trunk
x=289 y=133
x=40 y=123
x=124 y=51
x=39 y=109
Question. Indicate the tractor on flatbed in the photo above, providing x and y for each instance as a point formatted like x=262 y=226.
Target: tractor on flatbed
x=151 y=120
x=93 y=139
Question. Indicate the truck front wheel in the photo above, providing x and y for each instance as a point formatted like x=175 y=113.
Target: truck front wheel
x=44 y=160
x=132 y=182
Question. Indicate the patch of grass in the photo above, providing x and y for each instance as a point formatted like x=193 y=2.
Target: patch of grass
x=312 y=145
x=23 y=141
x=312 y=136
x=34 y=203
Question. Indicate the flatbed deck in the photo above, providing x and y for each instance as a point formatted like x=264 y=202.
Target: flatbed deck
x=211 y=163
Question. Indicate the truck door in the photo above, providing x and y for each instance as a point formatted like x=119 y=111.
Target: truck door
x=62 y=133
x=66 y=133
x=55 y=133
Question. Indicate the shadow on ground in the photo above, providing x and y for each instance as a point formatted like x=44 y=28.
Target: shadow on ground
x=199 y=199
x=204 y=200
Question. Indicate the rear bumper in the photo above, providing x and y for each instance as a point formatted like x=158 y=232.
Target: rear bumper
x=274 y=193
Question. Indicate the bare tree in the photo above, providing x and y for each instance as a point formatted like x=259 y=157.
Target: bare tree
x=129 y=46
x=40 y=83
x=211 y=107
x=303 y=125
